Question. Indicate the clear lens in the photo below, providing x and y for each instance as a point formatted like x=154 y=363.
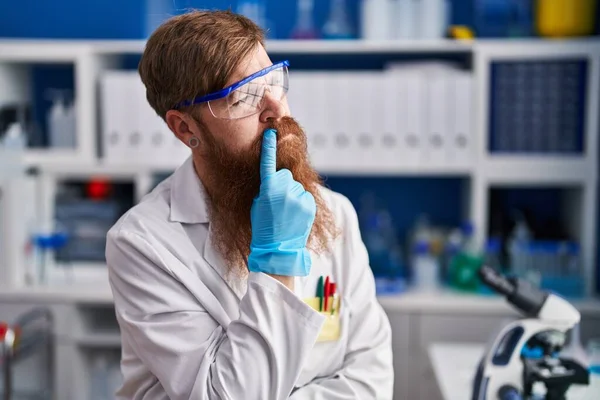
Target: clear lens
x=248 y=98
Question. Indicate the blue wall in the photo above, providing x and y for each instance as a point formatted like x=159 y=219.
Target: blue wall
x=112 y=19
x=126 y=19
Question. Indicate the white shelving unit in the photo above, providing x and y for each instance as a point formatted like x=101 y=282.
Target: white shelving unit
x=91 y=296
x=486 y=171
x=580 y=173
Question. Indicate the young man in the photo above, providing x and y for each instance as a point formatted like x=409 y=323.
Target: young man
x=215 y=273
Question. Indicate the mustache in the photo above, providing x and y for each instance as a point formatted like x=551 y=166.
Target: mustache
x=285 y=127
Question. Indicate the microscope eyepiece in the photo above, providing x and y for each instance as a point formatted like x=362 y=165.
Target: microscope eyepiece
x=496 y=281
x=521 y=294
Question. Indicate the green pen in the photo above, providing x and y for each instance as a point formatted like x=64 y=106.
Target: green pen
x=320 y=293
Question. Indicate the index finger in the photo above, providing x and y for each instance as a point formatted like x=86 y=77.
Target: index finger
x=268 y=155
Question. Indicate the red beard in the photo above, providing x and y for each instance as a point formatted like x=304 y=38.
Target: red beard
x=234 y=182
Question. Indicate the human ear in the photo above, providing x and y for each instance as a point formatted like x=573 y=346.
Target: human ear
x=184 y=127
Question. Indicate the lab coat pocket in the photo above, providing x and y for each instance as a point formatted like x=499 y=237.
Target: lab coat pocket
x=327 y=355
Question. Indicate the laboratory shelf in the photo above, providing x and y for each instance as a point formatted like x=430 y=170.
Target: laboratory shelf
x=535 y=47
x=35 y=50
x=47 y=51
x=538 y=170
x=98 y=293
x=61 y=164
x=118 y=47
x=99 y=340
x=443 y=300
x=423 y=170
x=53 y=159
x=24 y=50
x=439 y=301
x=74 y=169
x=368 y=46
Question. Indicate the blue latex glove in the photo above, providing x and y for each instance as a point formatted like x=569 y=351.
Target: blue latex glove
x=282 y=216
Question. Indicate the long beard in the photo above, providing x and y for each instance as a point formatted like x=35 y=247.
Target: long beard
x=234 y=181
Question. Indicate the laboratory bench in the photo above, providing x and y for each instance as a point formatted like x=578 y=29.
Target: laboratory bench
x=455 y=365
x=85 y=327
x=421 y=320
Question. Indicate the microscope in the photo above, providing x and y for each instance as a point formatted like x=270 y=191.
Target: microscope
x=505 y=372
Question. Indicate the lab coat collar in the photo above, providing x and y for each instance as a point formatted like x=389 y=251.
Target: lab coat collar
x=188 y=206
x=188 y=196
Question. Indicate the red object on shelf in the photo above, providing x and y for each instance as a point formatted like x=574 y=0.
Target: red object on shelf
x=3 y=330
x=99 y=189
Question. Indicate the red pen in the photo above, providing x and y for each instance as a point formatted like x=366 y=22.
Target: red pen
x=332 y=294
x=326 y=294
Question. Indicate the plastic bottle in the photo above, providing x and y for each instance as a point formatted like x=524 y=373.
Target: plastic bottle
x=469 y=246
x=405 y=17
x=421 y=230
x=376 y=19
x=371 y=235
x=378 y=241
x=376 y=246
x=380 y=238
x=451 y=250
x=434 y=19
x=519 y=241
x=305 y=26
x=394 y=267
x=13 y=205
x=492 y=254
x=47 y=241
x=12 y=148
x=426 y=270
x=14 y=138
x=464 y=267
x=71 y=126
x=338 y=25
x=61 y=128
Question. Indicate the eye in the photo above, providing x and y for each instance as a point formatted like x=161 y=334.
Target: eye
x=238 y=99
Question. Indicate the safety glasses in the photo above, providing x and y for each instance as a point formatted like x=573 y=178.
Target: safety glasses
x=246 y=97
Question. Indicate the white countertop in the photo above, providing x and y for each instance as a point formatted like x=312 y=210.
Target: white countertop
x=430 y=302
x=445 y=301
x=455 y=364
x=95 y=293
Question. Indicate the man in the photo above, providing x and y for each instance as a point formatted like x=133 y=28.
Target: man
x=215 y=272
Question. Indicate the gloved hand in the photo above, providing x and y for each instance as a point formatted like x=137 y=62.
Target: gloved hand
x=282 y=216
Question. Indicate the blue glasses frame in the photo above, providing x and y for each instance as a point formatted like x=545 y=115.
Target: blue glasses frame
x=226 y=91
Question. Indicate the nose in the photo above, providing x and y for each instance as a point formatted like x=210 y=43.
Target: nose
x=273 y=109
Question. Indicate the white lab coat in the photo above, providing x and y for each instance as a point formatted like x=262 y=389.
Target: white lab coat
x=190 y=331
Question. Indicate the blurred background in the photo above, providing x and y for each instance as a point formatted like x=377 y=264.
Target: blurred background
x=463 y=132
